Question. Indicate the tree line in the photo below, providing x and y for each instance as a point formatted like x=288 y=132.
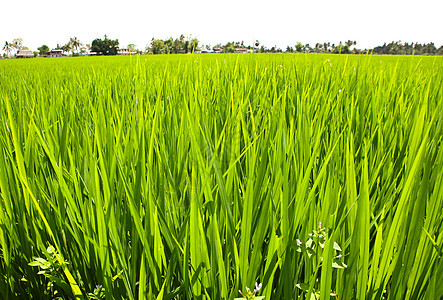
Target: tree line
x=183 y=44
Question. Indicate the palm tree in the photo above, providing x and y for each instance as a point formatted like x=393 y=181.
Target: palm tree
x=67 y=47
x=17 y=43
x=74 y=43
x=8 y=47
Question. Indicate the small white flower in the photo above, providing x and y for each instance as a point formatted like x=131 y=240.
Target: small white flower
x=258 y=286
x=298 y=241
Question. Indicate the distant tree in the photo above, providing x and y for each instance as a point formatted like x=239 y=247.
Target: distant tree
x=299 y=47
x=75 y=43
x=217 y=47
x=168 y=46
x=394 y=49
x=341 y=49
x=132 y=47
x=43 y=50
x=289 y=49
x=8 y=48
x=349 y=43
x=229 y=47
x=193 y=45
x=175 y=46
x=67 y=47
x=429 y=48
x=156 y=46
x=256 y=44
x=417 y=48
x=35 y=53
x=105 y=46
x=17 y=43
x=325 y=47
x=186 y=46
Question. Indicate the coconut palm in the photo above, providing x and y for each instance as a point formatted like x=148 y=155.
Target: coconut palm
x=74 y=43
x=17 y=43
x=8 y=47
x=67 y=47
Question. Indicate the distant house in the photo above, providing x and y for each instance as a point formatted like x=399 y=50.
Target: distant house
x=126 y=52
x=24 y=54
x=243 y=50
x=55 y=53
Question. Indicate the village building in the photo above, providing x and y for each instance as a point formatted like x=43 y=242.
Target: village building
x=126 y=52
x=243 y=50
x=24 y=54
x=55 y=53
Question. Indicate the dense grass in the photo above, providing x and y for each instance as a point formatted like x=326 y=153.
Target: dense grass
x=192 y=176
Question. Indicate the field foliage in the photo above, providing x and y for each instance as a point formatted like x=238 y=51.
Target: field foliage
x=194 y=176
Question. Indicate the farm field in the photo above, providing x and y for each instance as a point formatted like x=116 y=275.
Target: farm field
x=194 y=176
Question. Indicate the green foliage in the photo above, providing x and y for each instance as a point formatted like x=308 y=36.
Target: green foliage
x=298 y=47
x=179 y=45
x=192 y=176
x=105 y=46
x=16 y=44
x=43 y=50
x=55 y=269
x=229 y=47
x=341 y=49
x=399 y=47
x=157 y=46
x=314 y=250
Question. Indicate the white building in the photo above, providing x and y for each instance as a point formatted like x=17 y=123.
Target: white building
x=126 y=52
x=24 y=54
x=55 y=53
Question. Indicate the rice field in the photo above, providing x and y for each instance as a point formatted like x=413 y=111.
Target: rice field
x=196 y=176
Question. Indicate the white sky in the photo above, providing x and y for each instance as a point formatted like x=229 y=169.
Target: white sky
x=277 y=22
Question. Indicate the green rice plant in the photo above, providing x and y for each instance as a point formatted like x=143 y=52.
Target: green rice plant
x=193 y=176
